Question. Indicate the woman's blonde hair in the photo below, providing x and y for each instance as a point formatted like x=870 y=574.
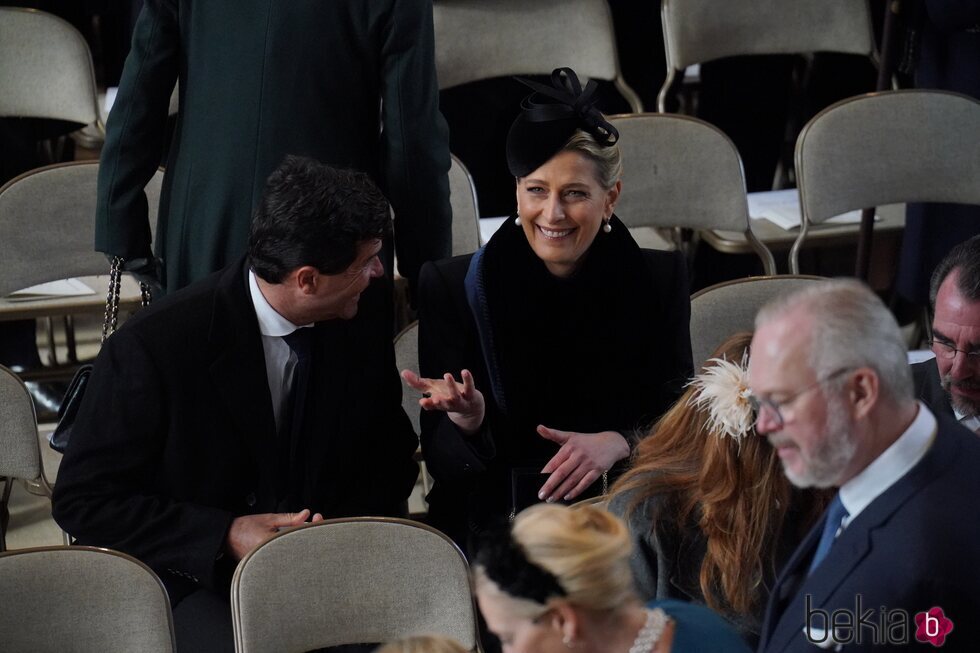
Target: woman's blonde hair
x=423 y=644
x=607 y=159
x=585 y=548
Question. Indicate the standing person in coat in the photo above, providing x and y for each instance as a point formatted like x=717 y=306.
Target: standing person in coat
x=351 y=83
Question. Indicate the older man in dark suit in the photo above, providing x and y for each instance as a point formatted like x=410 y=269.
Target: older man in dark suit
x=893 y=562
x=351 y=83
x=950 y=383
x=255 y=399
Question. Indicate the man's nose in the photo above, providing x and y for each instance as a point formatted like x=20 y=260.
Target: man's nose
x=766 y=422
x=377 y=270
x=961 y=366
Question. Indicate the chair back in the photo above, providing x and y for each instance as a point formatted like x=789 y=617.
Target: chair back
x=887 y=148
x=466 y=214
x=47 y=222
x=82 y=599
x=683 y=172
x=21 y=454
x=46 y=69
x=476 y=40
x=343 y=581
x=727 y=308
x=407 y=358
x=696 y=31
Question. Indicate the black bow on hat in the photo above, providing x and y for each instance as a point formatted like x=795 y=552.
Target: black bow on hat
x=550 y=116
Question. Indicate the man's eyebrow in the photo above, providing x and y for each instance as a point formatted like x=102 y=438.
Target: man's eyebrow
x=941 y=337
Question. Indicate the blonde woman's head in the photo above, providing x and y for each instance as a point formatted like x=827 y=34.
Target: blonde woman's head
x=423 y=644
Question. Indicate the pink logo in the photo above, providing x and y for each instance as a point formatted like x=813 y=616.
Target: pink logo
x=932 y=626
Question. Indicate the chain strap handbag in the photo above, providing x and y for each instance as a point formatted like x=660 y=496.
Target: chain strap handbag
x=68 y=411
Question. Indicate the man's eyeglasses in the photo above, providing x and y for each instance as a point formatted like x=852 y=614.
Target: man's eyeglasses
x=948 y=351
x=775 y=408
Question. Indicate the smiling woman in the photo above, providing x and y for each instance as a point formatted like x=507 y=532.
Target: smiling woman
x=566 y=337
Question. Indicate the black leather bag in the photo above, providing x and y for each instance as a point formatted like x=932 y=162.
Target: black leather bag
x=68 y=411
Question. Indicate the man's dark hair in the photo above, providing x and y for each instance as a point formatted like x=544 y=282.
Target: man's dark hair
x=965 y=257
x=313 y=214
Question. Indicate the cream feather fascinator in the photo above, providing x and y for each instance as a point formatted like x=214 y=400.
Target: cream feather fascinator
x=722 y=389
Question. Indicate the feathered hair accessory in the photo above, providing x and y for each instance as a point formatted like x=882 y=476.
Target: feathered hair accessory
x=722 y=390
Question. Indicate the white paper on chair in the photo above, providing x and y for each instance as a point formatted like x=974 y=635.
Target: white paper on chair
x=51 y=290
x=782 y=208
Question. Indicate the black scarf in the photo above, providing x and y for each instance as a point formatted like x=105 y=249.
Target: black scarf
x=574 y=354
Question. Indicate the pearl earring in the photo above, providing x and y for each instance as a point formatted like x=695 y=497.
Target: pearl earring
x=517 y=220
x=606 y=227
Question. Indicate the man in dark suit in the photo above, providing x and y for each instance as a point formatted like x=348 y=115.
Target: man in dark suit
x=950 y=383
x=893 y=562
x=250 y=401
x=351 y=83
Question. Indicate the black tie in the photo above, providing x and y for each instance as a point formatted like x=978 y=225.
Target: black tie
x=291 y=421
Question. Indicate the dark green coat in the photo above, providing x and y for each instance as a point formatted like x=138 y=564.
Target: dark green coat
x=260 y=79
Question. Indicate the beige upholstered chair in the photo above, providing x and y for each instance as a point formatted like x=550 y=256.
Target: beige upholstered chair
x=47 y=221
x=724 y=309
x=476 y=39
x=466 y=215
x=20 y=453
x=47 y=218
x=696 y=31
x=887 y=148
x=82 y=599
x=358 y=580
x=45 y=69
x=407 y=357
x=683 y=172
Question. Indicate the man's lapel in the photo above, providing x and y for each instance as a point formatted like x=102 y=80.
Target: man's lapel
x=850 y=549
x=239 y=375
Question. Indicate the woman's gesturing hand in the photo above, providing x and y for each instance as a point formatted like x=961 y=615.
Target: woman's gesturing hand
x=461 y=402
x=582 y=459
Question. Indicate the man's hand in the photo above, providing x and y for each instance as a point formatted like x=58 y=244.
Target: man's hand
x=461 y=402
x=582 y=459
x=249 y=531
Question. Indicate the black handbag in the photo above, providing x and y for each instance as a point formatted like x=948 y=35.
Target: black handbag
x=68 y=411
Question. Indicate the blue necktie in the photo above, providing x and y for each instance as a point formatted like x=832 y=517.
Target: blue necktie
x=836 y=513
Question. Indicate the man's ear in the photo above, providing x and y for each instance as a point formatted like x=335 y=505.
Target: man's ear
x=863 y=391
x=305 y=279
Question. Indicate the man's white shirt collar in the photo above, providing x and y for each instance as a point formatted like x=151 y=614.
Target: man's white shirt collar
x=890 y=466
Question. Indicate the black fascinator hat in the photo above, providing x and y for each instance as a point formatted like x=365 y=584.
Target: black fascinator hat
x=550 y=116
x=505 y=563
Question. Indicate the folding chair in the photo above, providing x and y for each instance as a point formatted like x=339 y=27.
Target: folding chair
x=466 y=215
x=887 y=148
x=47 y=221
x=345 y=581
x=46 y=69
x=478 y=40
x=55 y=599
x=726 y=308
x=20 y=452
x=696 y=31
x=682 y=172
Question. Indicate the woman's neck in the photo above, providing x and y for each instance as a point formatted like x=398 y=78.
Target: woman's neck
x=617 y=632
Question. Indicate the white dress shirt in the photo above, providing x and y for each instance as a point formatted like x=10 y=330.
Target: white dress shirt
x=279 y=358
x=858 y=493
